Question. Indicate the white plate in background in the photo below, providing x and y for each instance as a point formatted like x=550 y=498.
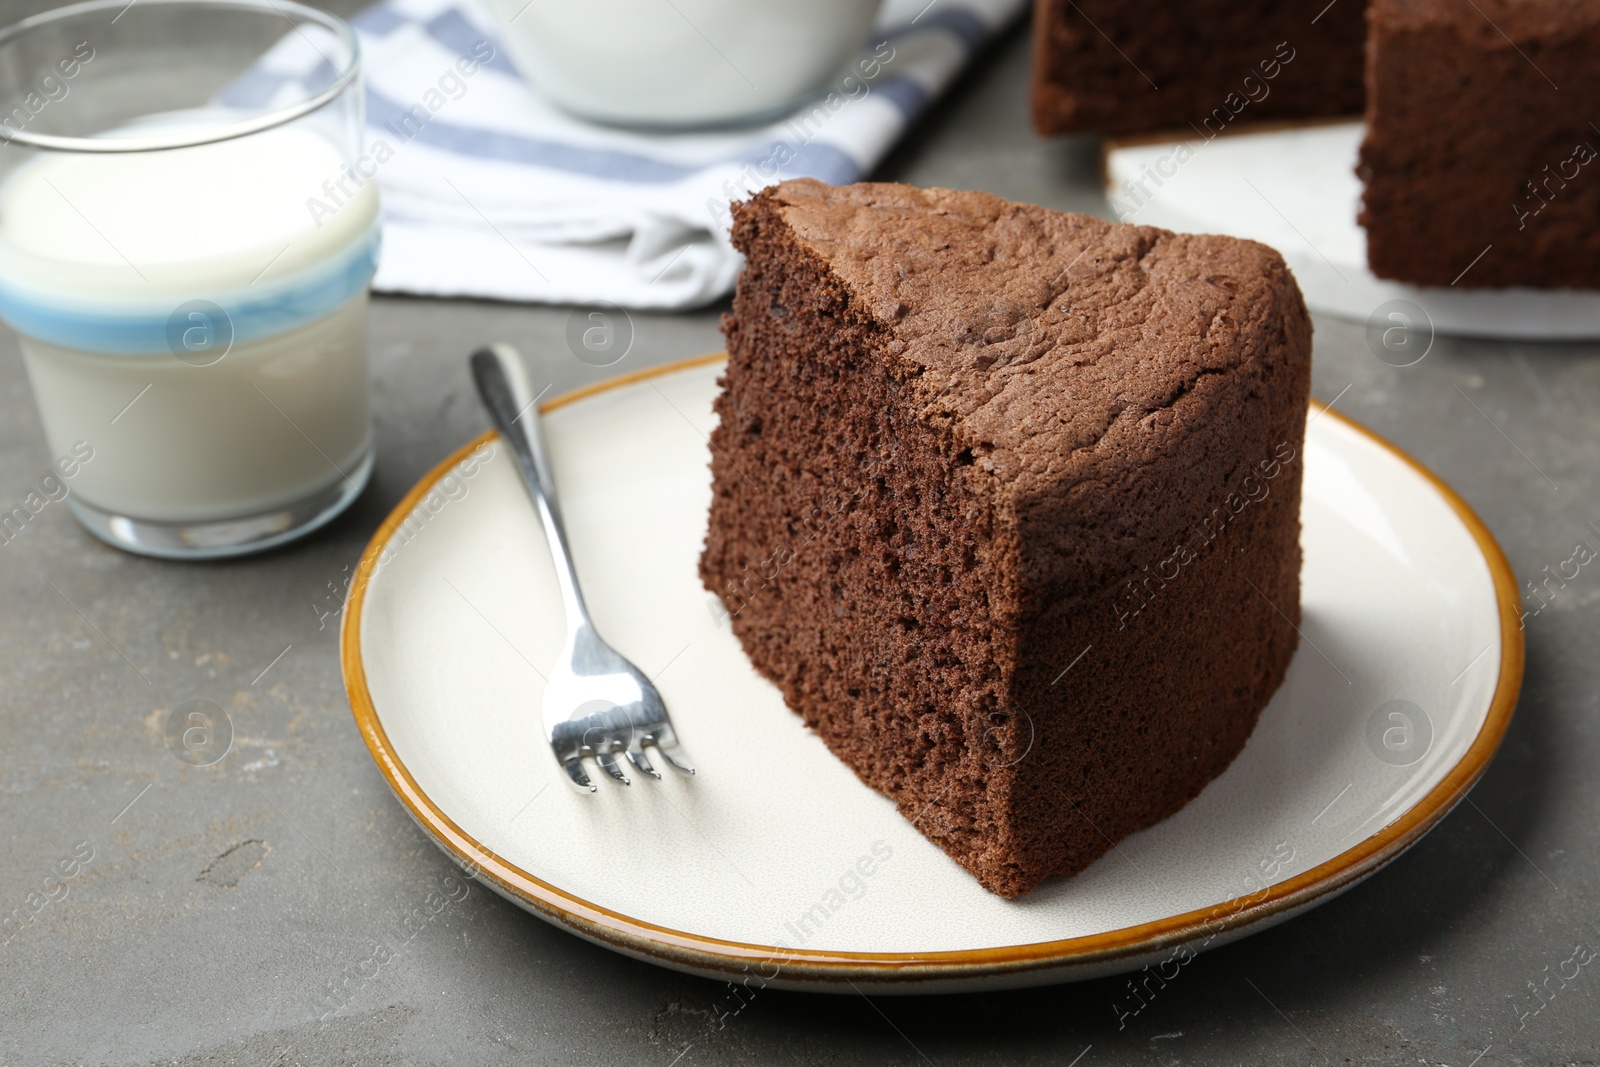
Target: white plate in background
x=1296 y=189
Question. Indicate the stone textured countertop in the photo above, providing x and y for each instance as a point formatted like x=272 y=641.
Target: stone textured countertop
x=223 y=903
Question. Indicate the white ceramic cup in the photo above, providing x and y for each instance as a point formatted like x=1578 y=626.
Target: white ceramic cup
x=685 y=62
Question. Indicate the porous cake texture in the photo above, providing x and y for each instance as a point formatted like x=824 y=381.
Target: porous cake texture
x=1481 y=145
x=1006 y=502
x=1120 y=67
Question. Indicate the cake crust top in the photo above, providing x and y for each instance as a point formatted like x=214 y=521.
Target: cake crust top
x=1050 y=341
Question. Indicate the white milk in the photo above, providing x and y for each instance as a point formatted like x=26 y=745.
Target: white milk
x=112 y=263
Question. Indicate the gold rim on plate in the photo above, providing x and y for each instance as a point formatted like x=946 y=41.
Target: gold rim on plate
x=735 y=960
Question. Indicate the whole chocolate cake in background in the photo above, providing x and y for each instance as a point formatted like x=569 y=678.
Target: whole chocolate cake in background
x=1006 y=502
x=1118 y=67
x=1475 y=141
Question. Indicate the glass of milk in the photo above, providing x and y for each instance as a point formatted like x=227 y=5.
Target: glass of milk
x=187 y=231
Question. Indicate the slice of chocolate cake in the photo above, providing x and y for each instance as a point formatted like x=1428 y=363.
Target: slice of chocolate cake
x=1119 y=67
x=1482 y=140
x=1006 y=502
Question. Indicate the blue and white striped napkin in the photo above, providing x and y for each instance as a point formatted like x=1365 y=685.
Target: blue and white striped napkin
x=491 y=191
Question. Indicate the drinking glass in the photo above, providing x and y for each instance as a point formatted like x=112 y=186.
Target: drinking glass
x=187 y=233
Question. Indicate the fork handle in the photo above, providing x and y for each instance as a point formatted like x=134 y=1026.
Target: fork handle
x=503 y=386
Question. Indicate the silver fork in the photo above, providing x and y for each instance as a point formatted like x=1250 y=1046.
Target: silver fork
x=596 y=703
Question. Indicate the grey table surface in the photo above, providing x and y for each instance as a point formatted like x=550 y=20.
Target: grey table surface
x=223 y=903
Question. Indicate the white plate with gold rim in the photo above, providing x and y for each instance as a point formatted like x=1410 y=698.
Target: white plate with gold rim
x=774 y=864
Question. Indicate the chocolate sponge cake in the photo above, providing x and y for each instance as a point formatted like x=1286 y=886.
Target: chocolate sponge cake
x=1006 y=502
x=1120 y=67
x=1479 y=170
